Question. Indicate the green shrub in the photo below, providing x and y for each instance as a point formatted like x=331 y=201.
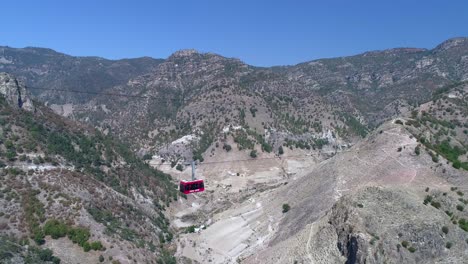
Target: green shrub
x=266 y=147
x=47 y=255
x=227 y=147
x=197 y=155
x=55 y=229
x=417 y=150
x=280 y=150
x=398 y=121
x=463 y=224
x=38 y=236
x=411 y=249
x=162 y=240
x=405 y=243
x=253 y=154
x=428 y=199
x=445 y=229
x=253 y=110
x=79 y=235
x=286 y=208
x=179 y=167
x=11 y=155
x=96 y=245
x=448 y=245
x=191 y=229
x=86 y=246
x=166 y=258
x=436 y=204
x=460 y=207
x=101 y=258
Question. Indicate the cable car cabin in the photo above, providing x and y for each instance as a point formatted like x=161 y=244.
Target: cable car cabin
x=188 y=187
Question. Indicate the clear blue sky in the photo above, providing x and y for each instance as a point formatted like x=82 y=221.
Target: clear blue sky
x=261 y=33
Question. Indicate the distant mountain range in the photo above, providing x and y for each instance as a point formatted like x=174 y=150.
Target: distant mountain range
x=204 y=93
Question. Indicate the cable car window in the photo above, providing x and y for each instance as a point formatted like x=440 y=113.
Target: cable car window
x=202 y=185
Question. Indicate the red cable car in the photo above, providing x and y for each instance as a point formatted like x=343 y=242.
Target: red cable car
x=192 y=186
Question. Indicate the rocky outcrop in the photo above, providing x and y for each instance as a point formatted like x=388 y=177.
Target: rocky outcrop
x=385 y=225
x=15 y=92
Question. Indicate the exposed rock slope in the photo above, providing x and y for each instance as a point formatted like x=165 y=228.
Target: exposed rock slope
x=358 y=205
x=15 y=94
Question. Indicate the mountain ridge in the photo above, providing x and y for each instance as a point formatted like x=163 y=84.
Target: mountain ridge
x=446 y=43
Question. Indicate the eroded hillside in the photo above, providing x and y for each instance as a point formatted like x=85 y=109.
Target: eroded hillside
x=66 y=187
x=386 y=199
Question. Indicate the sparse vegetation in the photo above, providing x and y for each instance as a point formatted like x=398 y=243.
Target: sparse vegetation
x=286 y=208
x=166 y=258
x=34 y=213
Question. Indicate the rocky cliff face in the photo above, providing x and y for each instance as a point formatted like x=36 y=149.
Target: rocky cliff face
x=15 y=92
x=378 y=225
